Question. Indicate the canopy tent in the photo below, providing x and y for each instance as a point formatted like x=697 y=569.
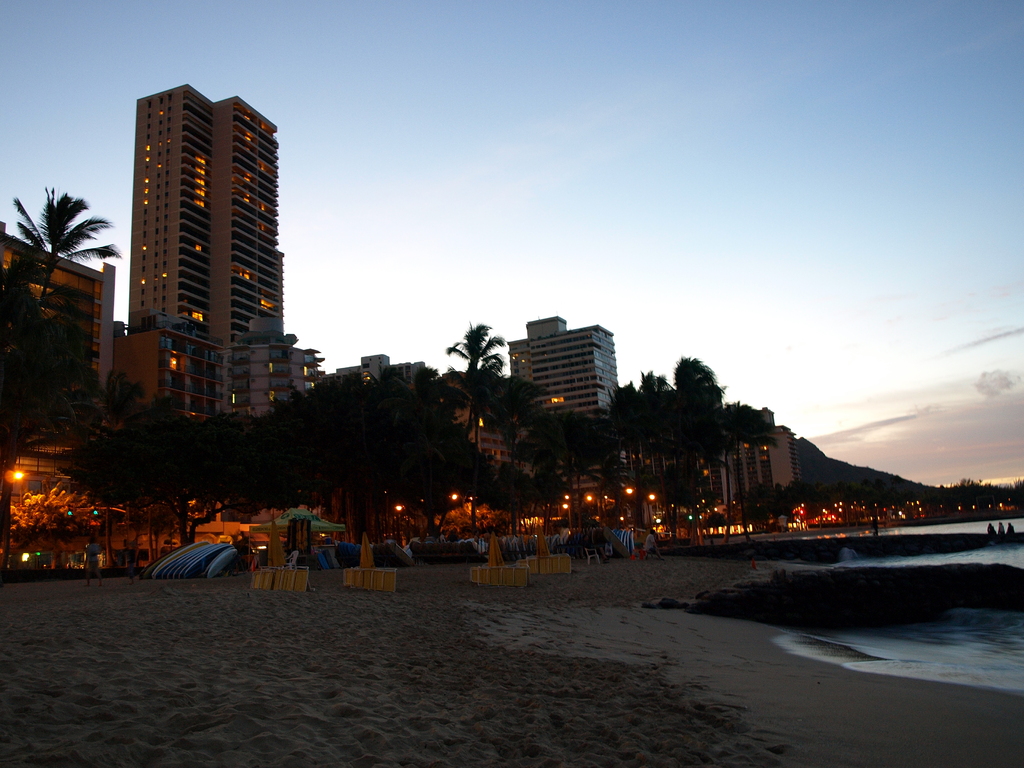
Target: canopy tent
x=316 y=524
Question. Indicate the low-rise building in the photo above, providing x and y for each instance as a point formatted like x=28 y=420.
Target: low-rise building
x=372 y=366
x=170 y=358
x=266 y=367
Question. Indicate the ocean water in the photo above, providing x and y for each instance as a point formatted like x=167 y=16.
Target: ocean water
x=979 y=527
x=1007 y=554
x=966 y=646
x=976 y=647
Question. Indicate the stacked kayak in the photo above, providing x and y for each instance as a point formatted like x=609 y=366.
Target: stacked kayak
x=193 y=561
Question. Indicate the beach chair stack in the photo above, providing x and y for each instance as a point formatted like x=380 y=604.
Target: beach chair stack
x=368 y=576
x=496 y=573
x=280 y=575
x=545 y=563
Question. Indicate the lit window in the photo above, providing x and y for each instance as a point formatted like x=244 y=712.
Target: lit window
x=164 y=275
x=143 y=281
x=147 y=147
x=557 y=399
x=199 y=247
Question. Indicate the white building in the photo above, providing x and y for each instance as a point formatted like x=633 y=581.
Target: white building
x=576 y=368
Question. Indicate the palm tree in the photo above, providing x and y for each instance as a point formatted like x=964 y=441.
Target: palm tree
x=58 y=236
x=696 y=433
x=513 y=413
x=484 y=367
x=574 y=446
x=120 y=398
x=19 y=307
x=742 y=425
x=45 y=376
x=427 y=408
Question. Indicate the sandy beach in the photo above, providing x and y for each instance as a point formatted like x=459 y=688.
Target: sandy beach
x=570 y=671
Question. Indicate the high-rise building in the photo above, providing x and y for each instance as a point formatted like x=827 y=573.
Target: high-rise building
x=767 y=465
x=266 y=366
x=576 y=368
x=204 y=213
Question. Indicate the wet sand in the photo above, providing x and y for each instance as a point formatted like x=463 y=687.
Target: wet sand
x=569 y=671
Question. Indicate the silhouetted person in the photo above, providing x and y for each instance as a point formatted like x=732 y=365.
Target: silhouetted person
x=92 y=561
x=1009 y=529
x=1002 y=531
x=131 y=554
x=651 y=545
x=991 y=530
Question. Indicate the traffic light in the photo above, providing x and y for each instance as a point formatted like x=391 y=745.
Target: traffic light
x=95 y=511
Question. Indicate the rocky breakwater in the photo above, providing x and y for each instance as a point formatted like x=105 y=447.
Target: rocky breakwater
x=867 y=597
x=827 y=550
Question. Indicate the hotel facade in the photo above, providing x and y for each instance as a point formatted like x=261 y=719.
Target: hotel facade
x=204 y=213
x=576 y=367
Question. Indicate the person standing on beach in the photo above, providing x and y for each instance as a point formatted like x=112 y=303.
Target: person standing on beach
x=130 y=556
x=92 y=561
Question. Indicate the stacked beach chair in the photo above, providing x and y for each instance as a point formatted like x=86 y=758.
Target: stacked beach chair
x=279 y=574
x=496 y=573
x=545 y=563
x=368 y=576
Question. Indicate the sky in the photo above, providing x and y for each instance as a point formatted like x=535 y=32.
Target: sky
x=824 y=202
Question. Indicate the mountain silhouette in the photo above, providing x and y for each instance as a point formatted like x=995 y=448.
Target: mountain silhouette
x=816 y=467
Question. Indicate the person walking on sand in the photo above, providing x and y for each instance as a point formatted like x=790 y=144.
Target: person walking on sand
x=130 y=556
x=92 y=561
x=651 y=546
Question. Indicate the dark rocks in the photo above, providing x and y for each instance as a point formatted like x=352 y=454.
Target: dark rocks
x=868 y=597
x=666 y=603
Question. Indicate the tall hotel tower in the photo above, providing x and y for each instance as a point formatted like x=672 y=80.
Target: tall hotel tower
x=576 y=368
x=204 y=213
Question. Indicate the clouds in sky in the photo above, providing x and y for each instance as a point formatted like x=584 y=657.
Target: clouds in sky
x=994 y=383
x=818 y=200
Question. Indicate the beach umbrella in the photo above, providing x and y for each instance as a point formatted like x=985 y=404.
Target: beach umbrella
x=275 y=555
x=542 y=546
x=494 y=558
x=366 y=553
